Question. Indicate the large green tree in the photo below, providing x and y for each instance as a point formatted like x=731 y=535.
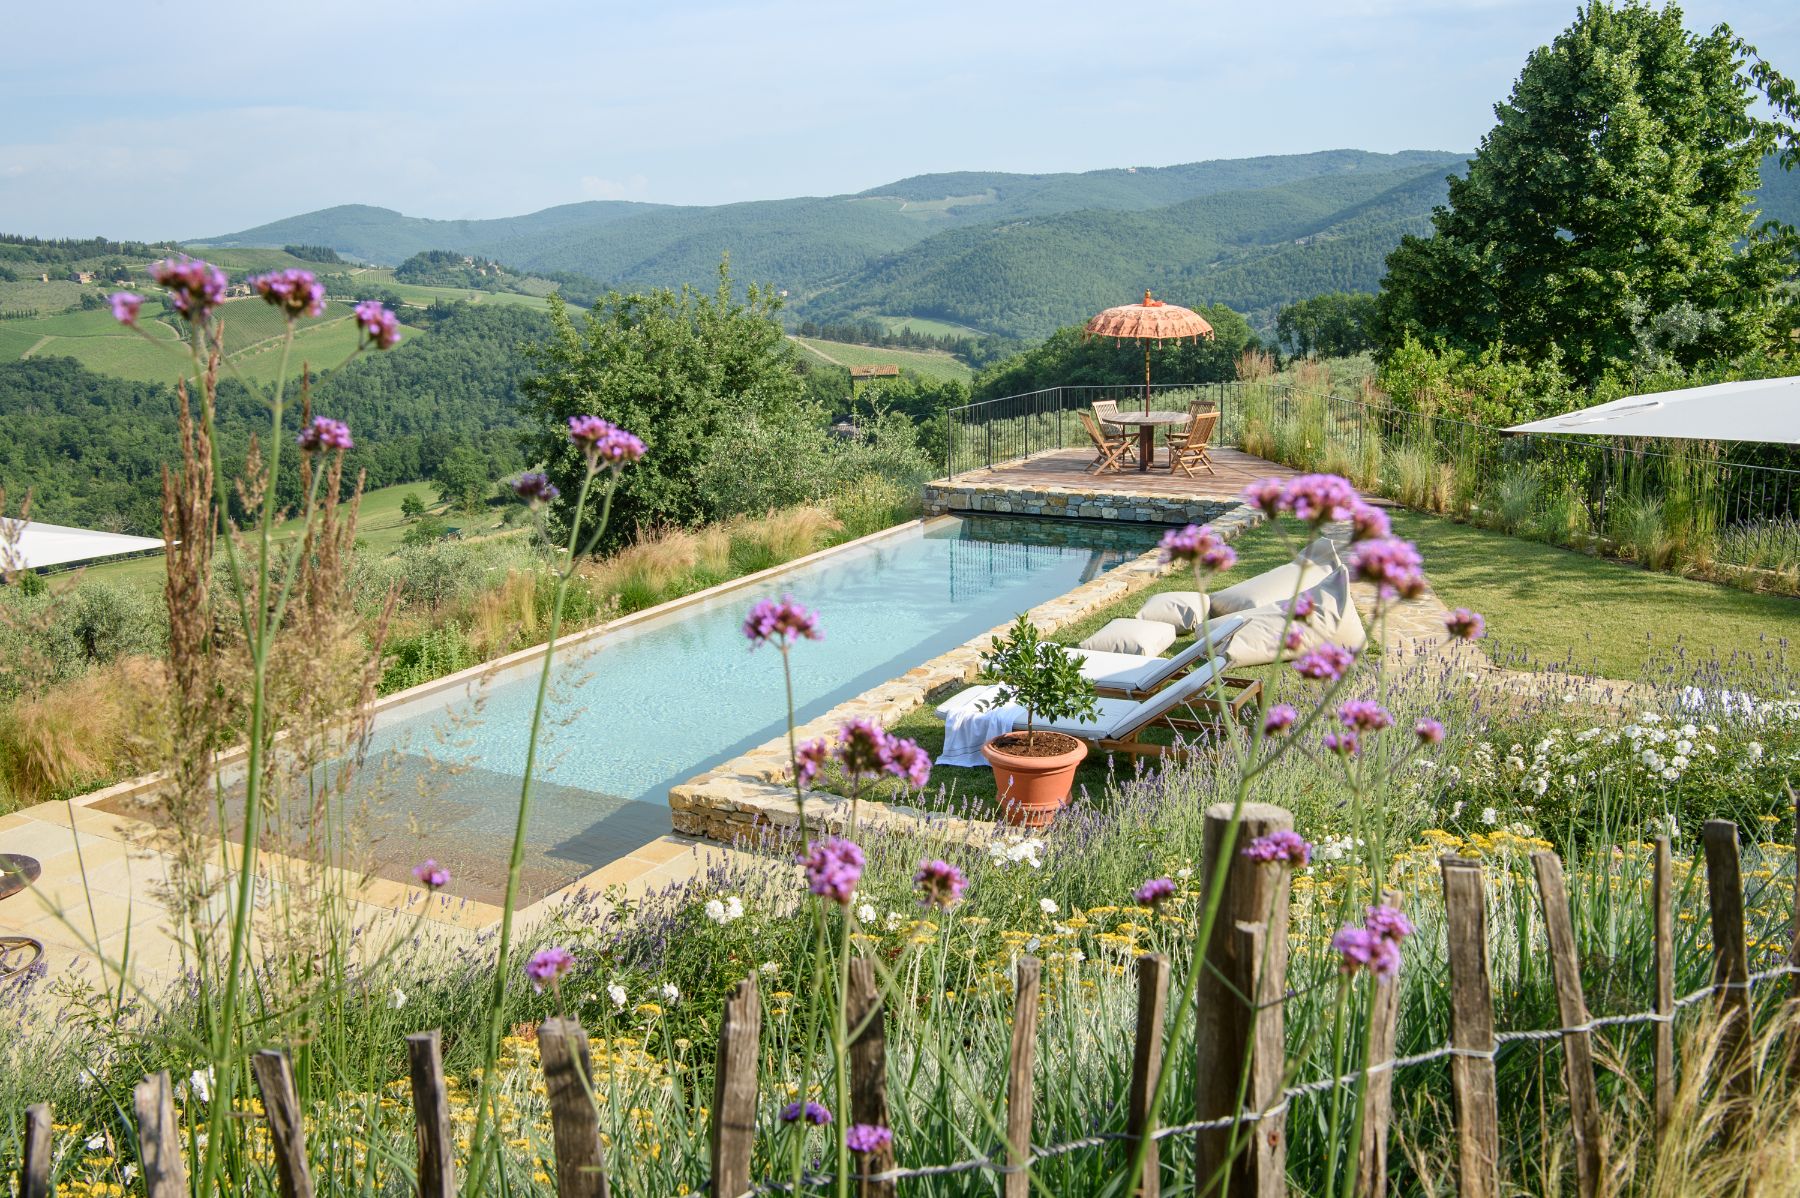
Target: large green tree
x=1068 y=357
x=699 y=377
x=1606 y=216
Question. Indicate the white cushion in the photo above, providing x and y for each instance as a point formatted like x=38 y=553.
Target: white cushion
x=1278 y=585
x=1182 y=610
x=1334 y=619
x=1146 y=638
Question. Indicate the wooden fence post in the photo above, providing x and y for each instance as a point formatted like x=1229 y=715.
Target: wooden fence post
x=34 y=1170
x=1471 y=1029
x=1578 y=1047
x=159 y=1140
x=866 y=1017
x=734 y=1090
x=1662 y=900
x=431 y=1115
x=1378 y=1088
x=1146 y=1062
x=1731 y=970
x=1794 y=946
x=1020 y=1066
x=568 y=1074
x=1239 y=1016
x=281 y=1108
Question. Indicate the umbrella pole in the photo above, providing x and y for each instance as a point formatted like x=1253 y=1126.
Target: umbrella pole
x=1146 y=378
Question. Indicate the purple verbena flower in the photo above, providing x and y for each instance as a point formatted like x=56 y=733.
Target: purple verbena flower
x=1344 y=744
x=296 y=292
x=548 y=966
x=1388 y=923
x=1327 y=663
x=125 y=306
x=1393 y=565
x=905 y=759
x=833 y=868
x=604 y=443
x=1266 y=494
x=380 y=327
x=940 y=884
x=808 y=1111
x=1318 y=498
x=781 y=623
x=535 y=489
x=862 y=747
x=1293 y=638
x=195 y=287
x=1279 y=719
x=1154 y=892
x=1302 y=606
x=1376 y=945
x=809 y=758
x=1465 y=625
x=1286 y=845
x=867 y=1137
x=430 y=873
x=1364 y=715
x=1368 y=523
x=1429 y=732
x=324 y=433
x=1198 y=544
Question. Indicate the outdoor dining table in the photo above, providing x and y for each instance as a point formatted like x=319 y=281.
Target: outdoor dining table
x=1147 y=423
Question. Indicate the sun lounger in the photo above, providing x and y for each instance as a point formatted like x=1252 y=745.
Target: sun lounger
x=1120 y=723
x=1133 y=676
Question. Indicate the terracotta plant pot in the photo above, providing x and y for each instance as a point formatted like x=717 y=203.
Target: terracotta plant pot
x=1033 y=788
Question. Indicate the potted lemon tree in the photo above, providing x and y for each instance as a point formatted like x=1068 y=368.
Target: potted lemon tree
x=1034 y=769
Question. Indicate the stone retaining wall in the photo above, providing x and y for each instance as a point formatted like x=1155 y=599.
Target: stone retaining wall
x=952 y=498
x=750 y=794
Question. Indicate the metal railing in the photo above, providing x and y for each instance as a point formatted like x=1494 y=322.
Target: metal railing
x=993 y=432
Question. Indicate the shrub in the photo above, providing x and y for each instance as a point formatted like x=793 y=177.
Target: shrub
x=429 y=653
x=85 y=732
x=872 y=503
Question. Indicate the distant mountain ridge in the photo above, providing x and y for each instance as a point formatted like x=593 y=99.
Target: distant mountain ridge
x=1017 y=254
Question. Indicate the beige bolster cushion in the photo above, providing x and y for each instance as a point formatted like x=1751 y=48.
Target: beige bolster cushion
x=1334 y=619
x=1278 y=585
x=1146 y=638
x=1183 y=611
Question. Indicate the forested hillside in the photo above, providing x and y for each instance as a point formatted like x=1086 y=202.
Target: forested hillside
x=90 y=449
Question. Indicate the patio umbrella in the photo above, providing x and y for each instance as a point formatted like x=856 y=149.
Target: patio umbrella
x=1754 y=410
x=1149 y=321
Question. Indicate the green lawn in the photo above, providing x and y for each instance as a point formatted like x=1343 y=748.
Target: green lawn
x=929 y=363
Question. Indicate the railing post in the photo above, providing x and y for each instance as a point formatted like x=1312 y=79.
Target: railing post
x=159 y=1139
x=1578 y=1048
x=1020 y=1065
x=734 y=1090
x=574 y=1125
x=431 y=1115
x=287 y=1134
x=1662 y=895
x=34 y=1169
x=1146 y=1062
x=1378 y=1087
x=866 y=1017
x=1239 y=1020
x=1471 y=1029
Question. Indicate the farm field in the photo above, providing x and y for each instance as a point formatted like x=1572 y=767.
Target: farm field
x=929 y=363
x=926 y=325
x=380 y=528
x=33 y=293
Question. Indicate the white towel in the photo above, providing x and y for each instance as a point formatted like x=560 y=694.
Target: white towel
x=967 y=728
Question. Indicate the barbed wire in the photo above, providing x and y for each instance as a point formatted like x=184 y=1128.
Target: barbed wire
x=1288 y=1095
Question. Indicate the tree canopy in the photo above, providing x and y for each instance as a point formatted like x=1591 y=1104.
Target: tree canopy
x=1070 y=357
x=1606 y=217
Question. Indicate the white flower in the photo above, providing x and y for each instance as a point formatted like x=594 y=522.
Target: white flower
x=671 y=993
x=734 y=907
x=715 y=911
x=768 y=969
x=866 y=913
x=1650 y=717
x=1652 y=759
x=1538 y=785
x=1755 y=749
x=1456 y=811
x=95 y=1142
x=1047 y=906
x=1678 y=762
x=1185 y=872
x=1684 y=747
x=1688 y=730
x=617 y=993
x=128 y=1173
x=201 y=1081
x=1489 y=816
x=397 y=999
x=892 y=921
x=1029 y=850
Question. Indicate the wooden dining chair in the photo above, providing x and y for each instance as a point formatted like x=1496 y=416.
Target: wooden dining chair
x=1187 y=448
x=1110 y=452
x=1104 y=411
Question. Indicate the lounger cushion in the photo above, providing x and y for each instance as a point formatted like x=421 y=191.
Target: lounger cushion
x=1278 y=585
x=1137 y=675
x=1334 y=619
x=1181 y=610
x=1145 y=638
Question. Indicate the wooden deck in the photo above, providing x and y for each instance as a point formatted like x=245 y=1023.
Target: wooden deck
x=1067 y=468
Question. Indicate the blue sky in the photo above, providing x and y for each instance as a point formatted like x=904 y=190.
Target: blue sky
x=159 y=118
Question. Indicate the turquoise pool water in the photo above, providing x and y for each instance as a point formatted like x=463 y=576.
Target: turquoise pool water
x=645 y=707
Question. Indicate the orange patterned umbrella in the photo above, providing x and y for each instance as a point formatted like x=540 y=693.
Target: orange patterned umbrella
x=1149 y=321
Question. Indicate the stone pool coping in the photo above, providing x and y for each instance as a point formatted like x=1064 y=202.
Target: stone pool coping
x=750 y=796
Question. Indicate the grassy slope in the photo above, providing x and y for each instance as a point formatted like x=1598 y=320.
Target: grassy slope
x=379 y=530
x=930 y=363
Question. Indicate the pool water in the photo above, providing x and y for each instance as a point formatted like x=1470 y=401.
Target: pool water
x=642 y=708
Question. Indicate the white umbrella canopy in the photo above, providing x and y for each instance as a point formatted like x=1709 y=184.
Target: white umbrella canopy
x=1755 y=410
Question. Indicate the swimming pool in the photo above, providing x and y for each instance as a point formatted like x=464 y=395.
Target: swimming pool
x=640 y=708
